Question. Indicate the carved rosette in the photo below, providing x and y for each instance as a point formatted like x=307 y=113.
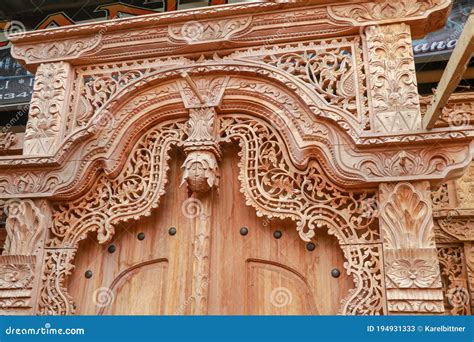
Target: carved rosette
x=395 y=105
x=412 y=271
x=48 y=105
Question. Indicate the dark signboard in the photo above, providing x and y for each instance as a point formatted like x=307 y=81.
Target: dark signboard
x=439 y=44
x=15 y=89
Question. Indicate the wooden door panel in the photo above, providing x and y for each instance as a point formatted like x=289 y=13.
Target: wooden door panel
x=139 y=290
x=274 y=289
x=167 y=296
x=231 y=253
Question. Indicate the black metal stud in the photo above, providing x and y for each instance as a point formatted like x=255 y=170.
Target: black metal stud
x=88 y=274
x=111 y=249
x=172 y=231
x=141 y=236
x=335 y=273
x=277 y=234
x=244 y=231
x=310 y=246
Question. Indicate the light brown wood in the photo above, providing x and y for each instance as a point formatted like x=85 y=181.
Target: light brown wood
x=452 y=74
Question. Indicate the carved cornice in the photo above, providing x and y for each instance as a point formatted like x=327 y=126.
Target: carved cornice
x=238 y=25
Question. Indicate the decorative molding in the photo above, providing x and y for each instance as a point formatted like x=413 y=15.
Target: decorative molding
x=208 y=31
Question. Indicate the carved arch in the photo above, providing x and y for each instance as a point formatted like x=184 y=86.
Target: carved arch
x=282 y=190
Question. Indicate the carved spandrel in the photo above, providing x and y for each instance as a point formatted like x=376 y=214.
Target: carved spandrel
x=395 y=105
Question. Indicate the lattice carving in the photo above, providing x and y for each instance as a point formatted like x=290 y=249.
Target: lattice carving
x=275 y=188
x=454 y=276
x=364 y=264
x=132 y=194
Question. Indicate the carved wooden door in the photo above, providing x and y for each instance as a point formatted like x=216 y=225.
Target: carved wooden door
x=209 y=255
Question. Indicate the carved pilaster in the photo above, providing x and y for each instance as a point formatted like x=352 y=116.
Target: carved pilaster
x=412 y=271
x=20 y=277
x=48 y=106
x=469 y=255
x=394 y=99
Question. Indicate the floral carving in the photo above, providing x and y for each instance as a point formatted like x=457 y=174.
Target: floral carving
x=454 y=277
x=276 y=188
x=46 y=105
x=133 y=193
x=440 y=196
x=56 y=51
x=200 y=32
x=394 y=93
x=368 y=297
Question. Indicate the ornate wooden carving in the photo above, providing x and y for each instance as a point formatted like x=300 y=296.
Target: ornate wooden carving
x=315 y=108
x=454 y=276
x=394 y=93
x=48 y=105
x=411 y=265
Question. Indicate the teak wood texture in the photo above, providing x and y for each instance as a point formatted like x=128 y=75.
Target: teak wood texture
x=260 y=158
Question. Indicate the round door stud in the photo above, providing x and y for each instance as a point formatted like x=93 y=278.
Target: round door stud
x=88 y=274
x=141 y=236
x=310 y=246
x=335 y=273
x=111 y=249
x=172 y=231
x=277 y=234
x=244 y=231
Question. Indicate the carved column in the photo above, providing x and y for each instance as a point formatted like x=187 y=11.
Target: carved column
x=412 y=273
x=201 y=173
x=20 y=265
x=393 y=94
x=47 y=108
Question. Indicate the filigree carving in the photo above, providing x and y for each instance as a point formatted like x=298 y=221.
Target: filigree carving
x=208 y=31
x=26 y=225
x=392 y=79
x=455 y=229
x=130 y=195
x=454 y=277
x=275 y=188
x=47 y=103
x=368 y=296
x=53 y=296
x=440 y=196
x=465 y=189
